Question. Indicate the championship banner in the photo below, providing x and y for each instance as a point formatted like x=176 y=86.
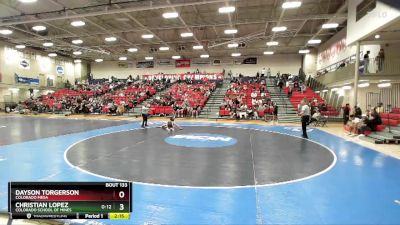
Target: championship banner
x=182 y=63
x=191 y=76
x=201 y=62
x=165 y=62
x=217 y=62
x=26 y=80
x=25 y=64
x=145 y=64
x=250 y=60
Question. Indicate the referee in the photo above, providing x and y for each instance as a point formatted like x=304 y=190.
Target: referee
x=305 y=116
x=145 y=114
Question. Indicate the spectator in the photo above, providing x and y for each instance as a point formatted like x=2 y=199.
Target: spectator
x=366 y=62
x=380 y=59
x=346 y=113
x=357 y=112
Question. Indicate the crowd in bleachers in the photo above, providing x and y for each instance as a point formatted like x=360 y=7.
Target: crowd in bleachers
x=247 y=98
x=183 y=99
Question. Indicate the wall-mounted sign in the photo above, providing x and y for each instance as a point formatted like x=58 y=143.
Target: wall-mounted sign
x=250 y=60
x=26 y=80
x=145 y=64
x=60 y=70
x=182 y=63
x=165 y=62
x=25 y=64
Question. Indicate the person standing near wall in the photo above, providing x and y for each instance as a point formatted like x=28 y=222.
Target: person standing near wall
x=305 y=116
x=366 y=62
x=346 y=114
x=145 y=114
x=380 y=59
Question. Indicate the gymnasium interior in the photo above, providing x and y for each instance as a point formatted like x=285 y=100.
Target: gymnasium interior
x=211 y=111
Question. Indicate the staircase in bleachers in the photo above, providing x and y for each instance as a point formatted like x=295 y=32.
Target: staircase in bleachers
x=211 y=109
x=286 y=112
x=138 y=109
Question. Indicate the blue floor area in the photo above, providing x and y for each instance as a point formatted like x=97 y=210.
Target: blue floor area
x=363 y=187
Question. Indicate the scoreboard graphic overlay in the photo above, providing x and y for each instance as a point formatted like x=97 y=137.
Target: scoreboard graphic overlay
x=73 y=200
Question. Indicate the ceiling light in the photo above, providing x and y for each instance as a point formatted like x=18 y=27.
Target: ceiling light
x=164 y=48
x=98 y=60
x=77 y=61
x=169 y=15
x=279 y=29
x=39 y=28
x=48 y=44
x=78 y=23
x=317 y=92
x=362 y=85
x=176 y=57
x=347 y=87
x=123 y=58
x=147 y=36
x=304 y=51
x=13 y=89
x=6 y=32
x=384 y=81
x=132 y=50
x=334 y=89
x=233 y=45
x=27 y=1
x=227 y=9
x=268 y=53
x=329 y=25
x=197 y=47
x=236 y=54
x=384 y=85
x=377 y=36
x=187 y=34
x=52 y=54
x=272 y=43
x=77 y=42
x=204 y=56
x=110 y=39
x=77 y=53
x=20 y=46
x=148 y=58
x=325 y=90
x=230 y=31
x=314 y=41
x=291 y=4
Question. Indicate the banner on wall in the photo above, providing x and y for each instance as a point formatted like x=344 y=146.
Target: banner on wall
x=145 y=64
x=60 y=70
x=201 y=62
x=217 y=62
x=25 y=64
x=182 y=63
x=26 y=80
x=250 y=60
x=165 y=62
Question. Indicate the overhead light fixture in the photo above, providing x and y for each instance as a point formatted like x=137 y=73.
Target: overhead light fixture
x=384 y=81
x=317 y=92
x=377 y=36
x=147 y=36
x=176 y=57
x=197 y=47
x=164 y=48
x=13 y=89
x=304 y=51
x=230 y=31
x=123 y=58
x=204 y=56
x=6 y=32
x=20 y=46
x=52 y=54
x=39 y=28
x=334 y=89
x=329 y=25
x=268 y=53
x=187 y=34
x=233 y=45
x=236 y=54
x=314 y=41
x=77 y=61
x=363 y=85
x=78 y=23
x=272 y=43
x=170 y=15
x=77 y=41
x=227 y=9
x=132 y=50
x=291 y=4
x=384 y=85
x=110 y=39
x=48 y=44
x=98 y=60
x=279 y=29
x=325 y=90
x=27 y=1
x=77 y=53
x=149 y=58
x=347 y=87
